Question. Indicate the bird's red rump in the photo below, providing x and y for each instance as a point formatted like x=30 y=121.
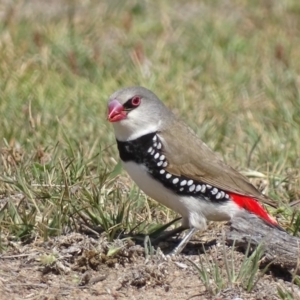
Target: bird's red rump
x=253 y=206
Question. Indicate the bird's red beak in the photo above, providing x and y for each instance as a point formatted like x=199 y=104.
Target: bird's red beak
x=116 y=111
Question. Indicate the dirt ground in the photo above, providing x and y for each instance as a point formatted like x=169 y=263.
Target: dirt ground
x=79 y=266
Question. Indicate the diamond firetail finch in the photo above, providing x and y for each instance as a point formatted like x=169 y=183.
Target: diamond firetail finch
x=172 y=165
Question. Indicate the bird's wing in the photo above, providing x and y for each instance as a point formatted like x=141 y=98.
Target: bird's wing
x=188 y=156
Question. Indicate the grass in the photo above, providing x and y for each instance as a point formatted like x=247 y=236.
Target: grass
x=229 y=69
x=216 y=278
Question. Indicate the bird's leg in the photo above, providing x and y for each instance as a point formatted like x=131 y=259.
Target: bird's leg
x=168 y=234
x=184 y=241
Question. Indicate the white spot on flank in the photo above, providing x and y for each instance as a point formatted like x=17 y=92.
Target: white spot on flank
x=168 y=176
x=192 y=187
x=165 y=164
x=159 y=164
x=214 y=191
x=159 y=146
x=154 y=145
x=190 y=182
x=175 y=180
x=218 y=196
x=203 y=189
x=198 y=188
x=150 y=149
x=208 y=186
x=156 y=155
x=181 y=189
x=154 y=138
x=162 y=157
x=227 y=196
x=183 y=182
x=222 y=194
x=162 y=171
x=153 y=151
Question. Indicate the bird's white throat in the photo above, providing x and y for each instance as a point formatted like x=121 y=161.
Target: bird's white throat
x=128 y=130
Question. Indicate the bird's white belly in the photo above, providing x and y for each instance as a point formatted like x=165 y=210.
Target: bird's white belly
x=194 y=211
x=153 y=188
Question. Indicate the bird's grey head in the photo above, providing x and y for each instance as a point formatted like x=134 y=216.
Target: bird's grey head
x=135 y=111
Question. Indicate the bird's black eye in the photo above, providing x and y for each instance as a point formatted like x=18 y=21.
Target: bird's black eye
x=135 y=101
x=132 y=103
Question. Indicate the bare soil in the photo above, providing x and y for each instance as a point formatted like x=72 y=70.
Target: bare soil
x=79 y=266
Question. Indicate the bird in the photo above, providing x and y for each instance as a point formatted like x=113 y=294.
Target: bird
x=173 y=166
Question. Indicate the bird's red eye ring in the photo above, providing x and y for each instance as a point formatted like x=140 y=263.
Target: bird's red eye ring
x=136 y=101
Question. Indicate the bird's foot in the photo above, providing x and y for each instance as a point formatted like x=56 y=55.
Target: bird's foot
x=184 y=242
